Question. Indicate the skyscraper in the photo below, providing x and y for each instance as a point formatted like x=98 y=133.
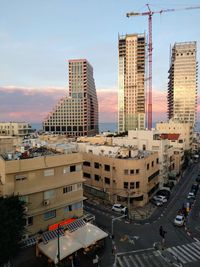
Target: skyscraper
x=131 y=75
x=182 y=85
x=76 y=115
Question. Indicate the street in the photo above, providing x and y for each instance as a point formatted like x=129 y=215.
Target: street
x=182 y=242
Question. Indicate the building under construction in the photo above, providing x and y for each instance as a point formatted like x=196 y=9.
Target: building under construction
x=131 y=89
x=182 y=85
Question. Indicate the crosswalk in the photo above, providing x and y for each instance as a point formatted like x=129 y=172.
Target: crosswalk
x=178 y=255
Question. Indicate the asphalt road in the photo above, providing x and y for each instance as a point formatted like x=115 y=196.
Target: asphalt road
x=131 y=237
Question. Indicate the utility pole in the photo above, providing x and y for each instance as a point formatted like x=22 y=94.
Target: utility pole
x=58 y=256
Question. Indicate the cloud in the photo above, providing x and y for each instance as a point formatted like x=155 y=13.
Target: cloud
x=33 y=104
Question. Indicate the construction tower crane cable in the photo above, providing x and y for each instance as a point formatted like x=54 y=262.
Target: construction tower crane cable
x=150 y=13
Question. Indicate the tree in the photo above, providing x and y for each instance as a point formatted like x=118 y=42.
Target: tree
x=12 y=226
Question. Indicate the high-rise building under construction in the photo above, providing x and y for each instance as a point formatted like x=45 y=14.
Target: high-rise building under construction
x=182 y=85
x=131 y=76
x=76 y=115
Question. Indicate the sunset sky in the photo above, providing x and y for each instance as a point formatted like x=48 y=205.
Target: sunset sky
x=37 y=38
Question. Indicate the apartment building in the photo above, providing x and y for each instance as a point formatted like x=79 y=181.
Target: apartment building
x=182 y=85
x=49 y=182
x=20 y=129
x=131 y=75
x=76 y=115
x=151 y=140
x=119 y=174
x=180 y=133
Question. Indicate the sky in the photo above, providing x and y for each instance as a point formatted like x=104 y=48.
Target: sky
x=38 y=37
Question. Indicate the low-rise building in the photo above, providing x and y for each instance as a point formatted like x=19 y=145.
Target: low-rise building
x=8 y=143
x=49 y=182
x=120 y=174
x=14 y=128
x=184 y=129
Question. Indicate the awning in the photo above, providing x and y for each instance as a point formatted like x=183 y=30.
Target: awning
x=88 y=234
x=68 y=245
x=47 y=236
x=75 y=225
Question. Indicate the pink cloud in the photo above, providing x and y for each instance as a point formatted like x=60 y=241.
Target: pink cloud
x=34 y=104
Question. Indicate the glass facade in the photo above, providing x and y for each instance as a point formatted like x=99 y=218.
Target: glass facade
x=182 y=85
x=131 y=75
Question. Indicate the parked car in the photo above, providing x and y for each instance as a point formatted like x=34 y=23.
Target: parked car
x=160 y=198
x=191 y=194
x=163 y=192
x=119 y=208
x=179 y=220
x=156 y=202
x=169 y=184
x=198 y=179
x=195 y=188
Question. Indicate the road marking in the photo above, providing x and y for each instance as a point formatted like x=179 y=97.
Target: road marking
x=186 y=254
x=191 y=252
x=176 y=255
x=133 y=261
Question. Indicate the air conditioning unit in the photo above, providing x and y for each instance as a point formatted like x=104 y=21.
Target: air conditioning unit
x=46 y=202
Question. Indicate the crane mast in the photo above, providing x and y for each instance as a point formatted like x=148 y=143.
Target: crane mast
x=150 y=13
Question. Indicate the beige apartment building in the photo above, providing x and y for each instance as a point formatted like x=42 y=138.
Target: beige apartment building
x=118 y=174
x=131 y=76
x=182 y=85
x=14 y=128
x=49 y=182
x=183 y=129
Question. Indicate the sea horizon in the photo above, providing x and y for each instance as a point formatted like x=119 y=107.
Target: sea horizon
x=103 y=126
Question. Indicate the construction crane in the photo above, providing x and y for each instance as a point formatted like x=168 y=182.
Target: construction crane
x=150 y=13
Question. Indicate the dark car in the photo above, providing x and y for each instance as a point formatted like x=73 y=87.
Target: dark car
x=163 y=192
x=195 y=188
x=198 y=179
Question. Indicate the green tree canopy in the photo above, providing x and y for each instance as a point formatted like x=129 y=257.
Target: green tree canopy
x=12 y=226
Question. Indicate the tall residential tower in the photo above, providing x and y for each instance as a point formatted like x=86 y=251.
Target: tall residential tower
x=131 y=89
x=182 y=85
x=76 y=115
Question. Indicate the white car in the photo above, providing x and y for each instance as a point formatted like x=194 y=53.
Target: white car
x=160 y=198
x=119 y=208
x=191 y=195
x=179 y=220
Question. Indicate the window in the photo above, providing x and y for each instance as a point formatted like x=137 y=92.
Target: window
x=96 y=165
x=96 y=177
x=72 y=168
x=125 y=184
x=74 y=206
x=68 y=189
x=86 y=163
x=126 y=172
x=29 y=221
x=107 y=180
x=147 y=166
x=87 y=175
x=107 y=167
x=151 y=177
x=131 y=171
x=157 y=160
x=152 y=163
x=132 y=185
x=20 y=177
x=137 y=171
x=49 y=194
x=137 y=184
x=49 y=172
x=79 y=186
x=50 y=214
